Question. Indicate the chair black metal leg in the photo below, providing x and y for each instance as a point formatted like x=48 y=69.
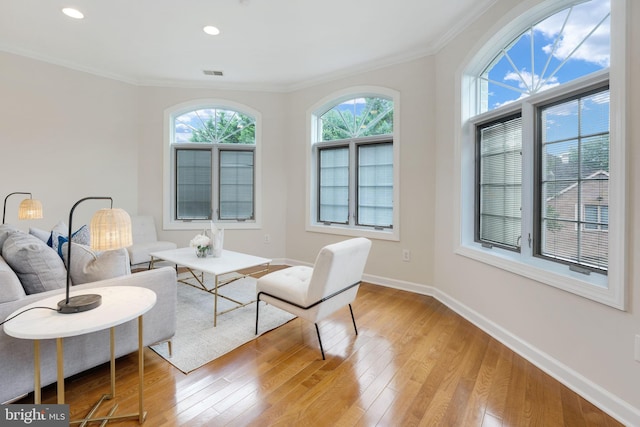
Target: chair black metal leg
x=257 y=310
x=353 y=319
x=320 y=341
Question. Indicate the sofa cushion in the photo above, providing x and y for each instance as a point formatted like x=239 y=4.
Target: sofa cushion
x=10 y=287
x=89 y=266
x=5 y=231
x=38 y=267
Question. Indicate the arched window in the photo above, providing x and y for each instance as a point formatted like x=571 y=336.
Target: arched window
x=565 y=46
x=354 y=161
x=212 y=165
x=540 y=139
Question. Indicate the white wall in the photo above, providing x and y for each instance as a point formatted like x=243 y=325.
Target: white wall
x=65 y=135
x=591 y=345
x=415 y=82
x=153 y=103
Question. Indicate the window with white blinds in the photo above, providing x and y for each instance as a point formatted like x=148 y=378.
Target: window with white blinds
x=542 y=149
x=574 y=183
x=499 y=190
x=353 y=157
x=213 y=152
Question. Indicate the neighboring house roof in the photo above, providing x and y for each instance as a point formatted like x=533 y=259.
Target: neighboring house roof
x=575 y=184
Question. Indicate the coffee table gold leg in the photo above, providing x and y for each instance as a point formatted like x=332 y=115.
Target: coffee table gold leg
x=215 y=301
x=36 y=372
x=60 y=356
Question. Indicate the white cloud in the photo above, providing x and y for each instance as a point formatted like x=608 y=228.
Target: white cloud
x=526 y=76
x=583 y=19
x=526 y=81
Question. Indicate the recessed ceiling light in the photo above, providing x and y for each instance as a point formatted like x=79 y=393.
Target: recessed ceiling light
x=211 y=30
x=73 y=13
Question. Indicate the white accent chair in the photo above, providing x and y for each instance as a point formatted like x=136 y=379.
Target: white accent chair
x=313 y=293
x=145 y=240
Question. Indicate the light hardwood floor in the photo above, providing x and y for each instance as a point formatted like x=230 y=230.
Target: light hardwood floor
x=414 y=362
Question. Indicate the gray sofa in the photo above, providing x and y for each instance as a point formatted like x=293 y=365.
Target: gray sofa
x=85 y=351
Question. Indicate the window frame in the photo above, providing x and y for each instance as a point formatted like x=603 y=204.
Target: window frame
x=599 y=85
x=610 y=289
x=478 y=188
x=169 y=176
x=312 y=176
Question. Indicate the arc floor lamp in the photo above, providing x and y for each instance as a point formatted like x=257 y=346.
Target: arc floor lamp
x=110 y=229
x=29 y=208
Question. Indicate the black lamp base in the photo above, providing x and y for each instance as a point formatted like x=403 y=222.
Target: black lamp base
x=79 y=303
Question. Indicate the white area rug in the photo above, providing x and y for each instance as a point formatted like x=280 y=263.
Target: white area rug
x=197 y=342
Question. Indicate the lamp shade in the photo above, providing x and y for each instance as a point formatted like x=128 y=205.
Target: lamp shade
x=110 y=229
x=30 y=209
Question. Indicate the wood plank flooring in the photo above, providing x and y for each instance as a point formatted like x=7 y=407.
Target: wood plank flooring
x=414 y=363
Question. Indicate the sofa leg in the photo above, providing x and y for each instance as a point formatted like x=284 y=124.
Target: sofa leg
x=320 y=341
x=170 y=348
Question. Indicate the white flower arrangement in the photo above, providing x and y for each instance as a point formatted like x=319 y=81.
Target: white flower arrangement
x=200 y=241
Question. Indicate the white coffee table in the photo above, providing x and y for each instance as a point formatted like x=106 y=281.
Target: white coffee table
x=120 y=304
x=228 y=262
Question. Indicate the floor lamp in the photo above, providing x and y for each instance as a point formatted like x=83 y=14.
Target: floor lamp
x=28 y=209
x=109 y=229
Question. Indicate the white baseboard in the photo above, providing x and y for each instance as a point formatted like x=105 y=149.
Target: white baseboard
x=597 y=395
x=603 y=399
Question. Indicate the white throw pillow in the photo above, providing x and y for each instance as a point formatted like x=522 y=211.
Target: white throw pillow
x=89 y=266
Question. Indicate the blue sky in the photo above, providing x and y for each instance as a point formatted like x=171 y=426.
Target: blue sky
x=567 y=45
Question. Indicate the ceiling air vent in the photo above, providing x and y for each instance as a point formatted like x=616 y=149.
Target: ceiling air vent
x=212 y=73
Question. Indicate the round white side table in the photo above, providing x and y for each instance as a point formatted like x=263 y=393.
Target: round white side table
x=120 y=304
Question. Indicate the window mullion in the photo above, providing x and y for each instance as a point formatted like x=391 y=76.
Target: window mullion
x=215 y=184
x=529 y=186
x=353 y=183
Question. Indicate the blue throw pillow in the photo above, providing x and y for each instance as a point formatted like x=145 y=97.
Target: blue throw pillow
x=81 y=236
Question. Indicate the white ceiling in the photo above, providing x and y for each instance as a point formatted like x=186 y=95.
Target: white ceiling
x=275 y=45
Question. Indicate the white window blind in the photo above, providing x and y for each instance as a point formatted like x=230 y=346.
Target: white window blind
x=334 y=185
x=193 y=184
x=236 y=184
x=375 y=185
x=575 y=172
x=500 y=183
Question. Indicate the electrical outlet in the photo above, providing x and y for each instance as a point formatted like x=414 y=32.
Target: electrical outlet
x=637 y=349
x=406 y=255
x=267 y=239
